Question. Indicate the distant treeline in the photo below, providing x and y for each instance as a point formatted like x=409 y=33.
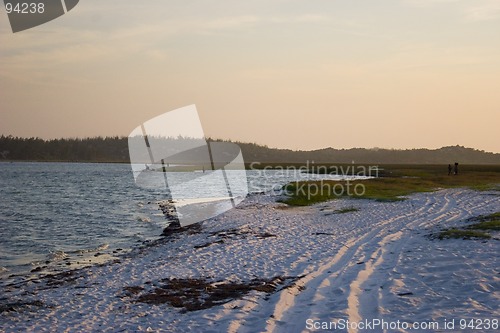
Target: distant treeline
x=115 y=149
x=108 y=149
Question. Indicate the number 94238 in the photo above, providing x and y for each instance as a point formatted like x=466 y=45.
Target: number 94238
x=478 y=324
x=25 y=8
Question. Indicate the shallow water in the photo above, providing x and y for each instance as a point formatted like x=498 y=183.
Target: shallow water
x=48 y=210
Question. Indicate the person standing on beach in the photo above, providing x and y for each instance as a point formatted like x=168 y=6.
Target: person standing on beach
x=449 y=169
x=456 y=168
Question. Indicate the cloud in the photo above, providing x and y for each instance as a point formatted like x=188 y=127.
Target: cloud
x=78 y=42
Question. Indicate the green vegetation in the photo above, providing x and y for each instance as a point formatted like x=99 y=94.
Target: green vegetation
x=488 y=222
x=491 y=225
x=465 y=234
x=394 y=184
x=98 y=149
x=301 y=193
x=346 y=210
x=476 y=230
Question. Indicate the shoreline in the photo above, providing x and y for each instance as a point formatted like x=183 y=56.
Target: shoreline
x=305 y=263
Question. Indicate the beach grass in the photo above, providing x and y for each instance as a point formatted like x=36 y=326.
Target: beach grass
x=477 y=230
x=489 y=225
x=464 y=234
x=394 y=183
x=487 y=222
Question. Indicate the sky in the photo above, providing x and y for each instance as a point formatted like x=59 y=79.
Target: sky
x=296 y=74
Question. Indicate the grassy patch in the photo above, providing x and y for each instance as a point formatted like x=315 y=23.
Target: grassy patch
x=490 y=217
x=464 y=234
x=381 y=189
x=490 y=225
x=394 y=184
x=476 y=230
x=487 y=222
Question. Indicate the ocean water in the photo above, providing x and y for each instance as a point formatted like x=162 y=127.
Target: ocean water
x=55 y=216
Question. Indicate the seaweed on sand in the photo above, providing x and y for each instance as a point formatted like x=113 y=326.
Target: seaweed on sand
x=193 y=294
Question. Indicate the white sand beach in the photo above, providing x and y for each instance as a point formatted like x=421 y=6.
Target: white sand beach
x=303 y=268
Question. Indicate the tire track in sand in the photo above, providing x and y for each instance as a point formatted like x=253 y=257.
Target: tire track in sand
x=351 y=283
x=285 y=311
x=342 y=286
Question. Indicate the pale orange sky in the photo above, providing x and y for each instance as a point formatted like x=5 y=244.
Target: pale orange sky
x=287 y=73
